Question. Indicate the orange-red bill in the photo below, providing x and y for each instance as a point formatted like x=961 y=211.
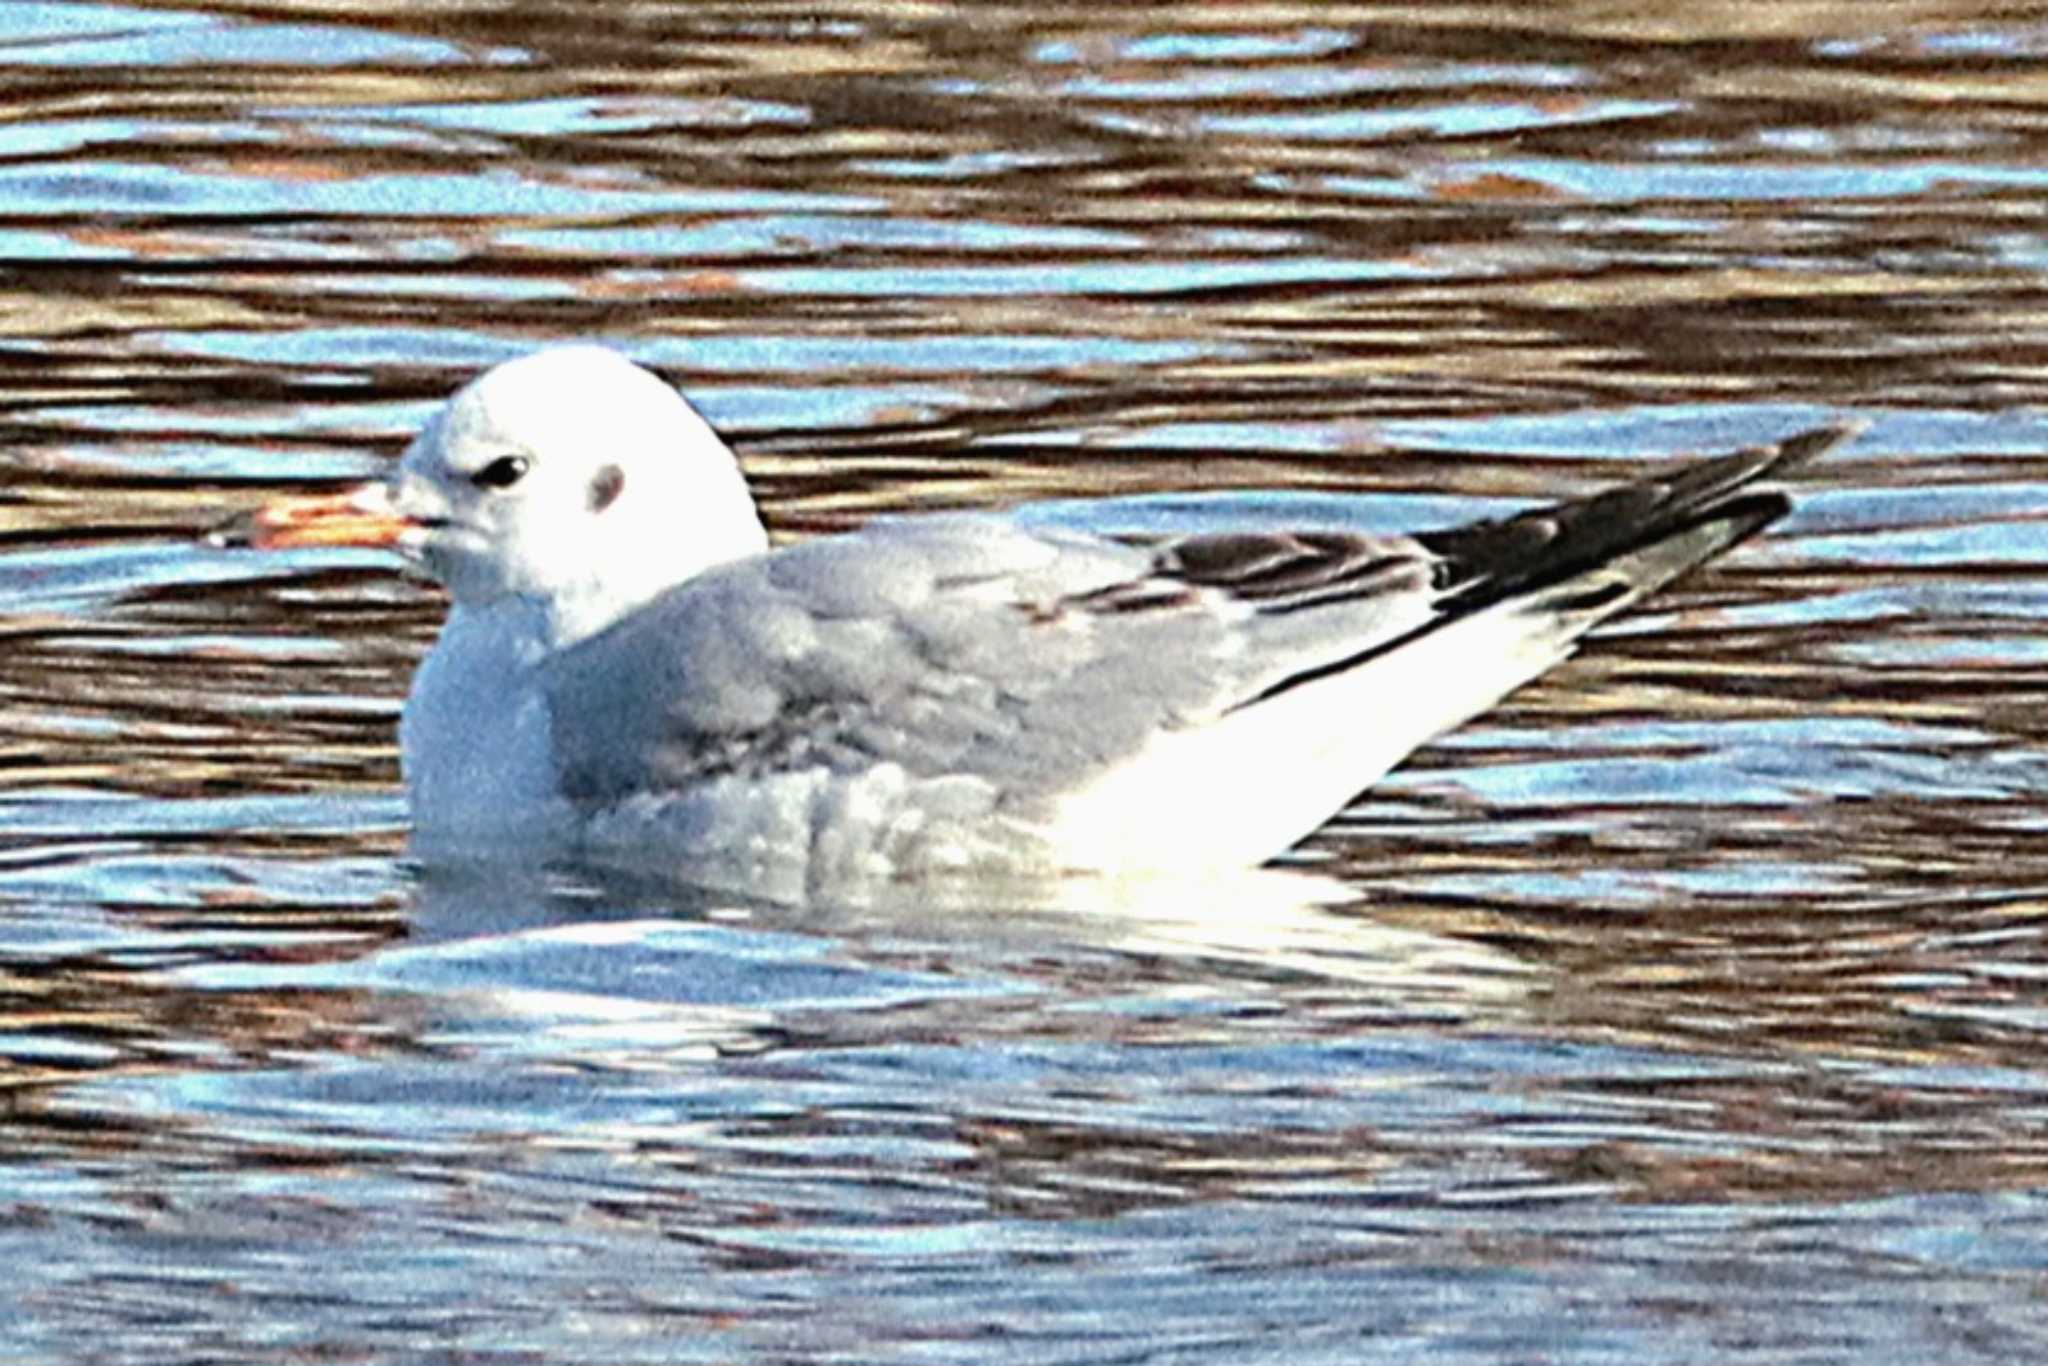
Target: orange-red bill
x=359 y=516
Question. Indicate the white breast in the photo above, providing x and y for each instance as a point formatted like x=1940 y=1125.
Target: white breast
x=474 y=736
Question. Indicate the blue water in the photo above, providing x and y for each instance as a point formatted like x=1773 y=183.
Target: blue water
x=1687 y=1007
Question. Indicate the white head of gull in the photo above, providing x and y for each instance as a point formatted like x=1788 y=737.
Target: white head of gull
x=627 y=664
x=551 y=496
x=571 y=485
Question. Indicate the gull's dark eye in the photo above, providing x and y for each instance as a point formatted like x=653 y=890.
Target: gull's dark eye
x=502 y=473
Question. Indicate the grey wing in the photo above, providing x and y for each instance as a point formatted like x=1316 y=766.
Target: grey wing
x=1035 y=660
x=963 y=645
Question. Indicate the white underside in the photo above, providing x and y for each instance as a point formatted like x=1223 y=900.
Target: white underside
x=1233 y=793
x=1256 y=782
x=474 y=739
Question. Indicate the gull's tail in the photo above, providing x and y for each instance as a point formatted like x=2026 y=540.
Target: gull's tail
x=1628 y=540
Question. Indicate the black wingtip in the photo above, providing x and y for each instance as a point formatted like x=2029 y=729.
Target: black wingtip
x=1489 y=561
x=1746 y=514
x=1803 y=448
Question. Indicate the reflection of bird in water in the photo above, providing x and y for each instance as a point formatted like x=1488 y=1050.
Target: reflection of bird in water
x=628 y=664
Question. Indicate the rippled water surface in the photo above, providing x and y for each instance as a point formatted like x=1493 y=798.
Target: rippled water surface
x=1690 y=1006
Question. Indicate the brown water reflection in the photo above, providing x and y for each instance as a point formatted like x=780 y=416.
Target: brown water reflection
x=1721 y=947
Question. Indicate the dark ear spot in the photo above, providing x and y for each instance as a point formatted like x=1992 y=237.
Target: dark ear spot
x=606 y=486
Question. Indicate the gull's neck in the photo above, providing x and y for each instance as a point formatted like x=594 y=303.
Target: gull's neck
x=580 y=607
x=578 y=611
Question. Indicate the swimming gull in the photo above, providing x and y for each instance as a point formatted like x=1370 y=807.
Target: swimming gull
x=627 y=663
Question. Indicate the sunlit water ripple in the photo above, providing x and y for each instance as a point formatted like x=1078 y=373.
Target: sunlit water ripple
x=1686 y=1007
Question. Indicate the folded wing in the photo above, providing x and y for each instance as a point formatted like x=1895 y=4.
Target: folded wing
x=1221 y=694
